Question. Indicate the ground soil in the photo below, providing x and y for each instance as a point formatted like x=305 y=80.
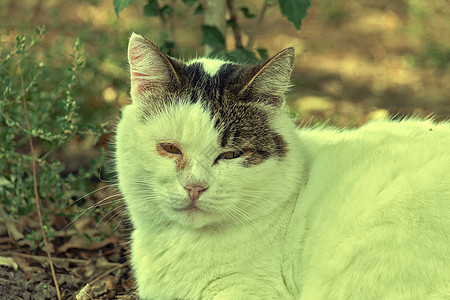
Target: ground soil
x=95 y=261
x=18 y=284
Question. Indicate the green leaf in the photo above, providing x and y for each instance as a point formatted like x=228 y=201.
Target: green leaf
x=220 y=54
x=243 y=56
x=294 y=10
x=25 y=209
x=247 y=12
x=120 y=4
x=190 y=3
x=167 y=10
x=151 y=9
x=167 y=47
x=231 y=23
x=262 y=52
x=213 y=37
x=6 y=175
x=199 y=10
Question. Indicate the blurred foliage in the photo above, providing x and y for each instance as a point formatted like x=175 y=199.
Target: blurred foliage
x=435 y=50
x=49 y=88
x=332 y=11
x=293 y=10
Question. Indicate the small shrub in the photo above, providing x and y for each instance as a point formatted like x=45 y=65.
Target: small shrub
x=54 y=121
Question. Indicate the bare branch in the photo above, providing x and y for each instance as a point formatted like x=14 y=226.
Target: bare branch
x=38 y=204
x=235 y=25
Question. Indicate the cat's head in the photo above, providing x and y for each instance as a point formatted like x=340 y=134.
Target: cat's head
x=204 y=143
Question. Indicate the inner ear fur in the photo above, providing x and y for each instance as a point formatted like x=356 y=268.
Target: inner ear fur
x=150 y=68
x=273 y=76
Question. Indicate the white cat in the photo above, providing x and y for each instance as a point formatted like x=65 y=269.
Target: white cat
x=229 y=200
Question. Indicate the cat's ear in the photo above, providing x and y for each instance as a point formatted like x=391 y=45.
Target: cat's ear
x=272 y=77
x=150 y=69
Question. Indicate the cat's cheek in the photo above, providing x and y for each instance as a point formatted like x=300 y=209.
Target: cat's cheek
x=157 y=164
x=228 y=179
x=226 y=169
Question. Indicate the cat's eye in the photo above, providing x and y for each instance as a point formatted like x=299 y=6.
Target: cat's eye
x=230 y=155
x=169 y=148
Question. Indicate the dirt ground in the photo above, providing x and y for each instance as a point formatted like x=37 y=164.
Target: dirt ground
x=94 y=260
x=18 y=284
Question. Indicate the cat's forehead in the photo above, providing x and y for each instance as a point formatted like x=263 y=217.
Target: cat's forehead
x=242 y=120
x=241 y=102
x=215 y=75
x=208 y=66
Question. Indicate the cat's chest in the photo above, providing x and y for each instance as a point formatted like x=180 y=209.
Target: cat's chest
x=168 y=266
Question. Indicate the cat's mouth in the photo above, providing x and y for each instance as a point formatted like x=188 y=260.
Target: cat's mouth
x=190 y=208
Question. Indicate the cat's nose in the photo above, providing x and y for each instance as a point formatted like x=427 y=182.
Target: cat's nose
x=194 y=191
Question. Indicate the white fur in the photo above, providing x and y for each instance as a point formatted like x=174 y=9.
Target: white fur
x=210 y=66
x=178 y=255
x=348 y=214
x=373 y=220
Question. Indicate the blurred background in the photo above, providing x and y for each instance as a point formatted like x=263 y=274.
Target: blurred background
x=357 y=60
x=354 y=57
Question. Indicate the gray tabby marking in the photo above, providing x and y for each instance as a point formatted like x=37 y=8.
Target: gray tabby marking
x=242 y=118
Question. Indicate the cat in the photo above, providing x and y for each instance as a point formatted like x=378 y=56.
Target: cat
x=230 y=200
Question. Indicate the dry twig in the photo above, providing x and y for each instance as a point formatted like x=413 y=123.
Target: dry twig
x=235 y=26
x=60 y=260
x=38 y=205
x=109 y=271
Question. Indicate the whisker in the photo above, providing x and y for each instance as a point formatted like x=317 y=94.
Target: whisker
x=88 y=194
x=113 y=214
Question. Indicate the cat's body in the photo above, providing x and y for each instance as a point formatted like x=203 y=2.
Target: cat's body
x=374 y=216
x=230 y=201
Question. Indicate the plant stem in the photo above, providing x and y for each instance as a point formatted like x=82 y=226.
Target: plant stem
x=251 y=38
x=235 y=25
x=38 y=205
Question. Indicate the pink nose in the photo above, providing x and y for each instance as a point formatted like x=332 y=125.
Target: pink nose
x=194 y=191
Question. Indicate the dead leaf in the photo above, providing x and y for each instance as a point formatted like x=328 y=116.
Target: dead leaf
x=21 y=262
x=105 y=287
x=8 y=262
x=16 y=234
x=85 y=293
x=128 y=284
x=80 y=242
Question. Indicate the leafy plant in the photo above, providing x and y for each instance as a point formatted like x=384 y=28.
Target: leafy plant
x=434 y=49
x=53 y=112
x=294 y=10
x=212 y=36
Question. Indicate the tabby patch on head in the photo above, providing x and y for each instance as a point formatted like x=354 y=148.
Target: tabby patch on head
x=242 y=99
